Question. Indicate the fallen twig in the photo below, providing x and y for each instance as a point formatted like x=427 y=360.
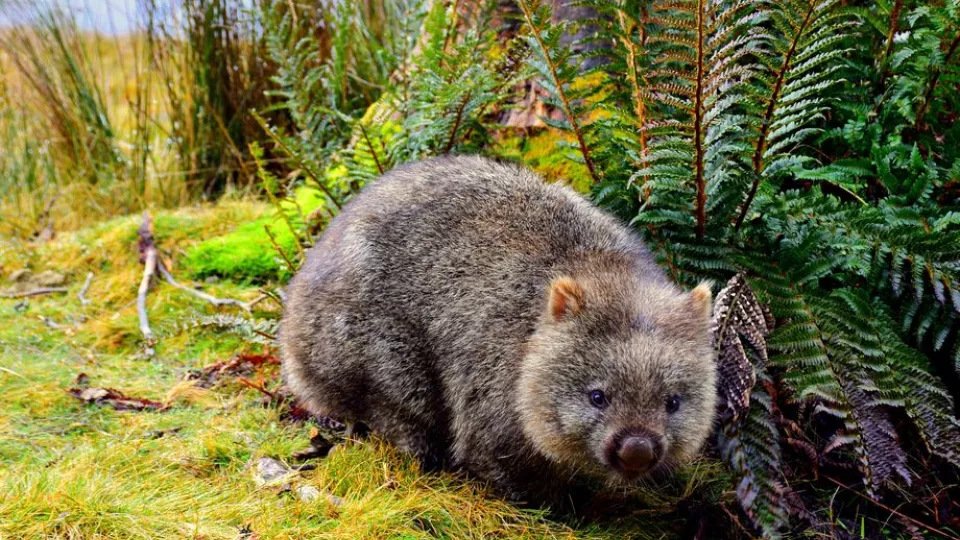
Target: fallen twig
x=257 y=387
x=148 y=256
x=116 y=399
x=271 y=295
x=83 y=290
x=35 y=292
x=261 y=333
x=276 y=246
x=257 y=300
x=200 y=294
x=50 y=322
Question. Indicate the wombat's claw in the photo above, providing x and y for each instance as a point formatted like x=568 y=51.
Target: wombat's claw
x=430 y=463
x=357 y=431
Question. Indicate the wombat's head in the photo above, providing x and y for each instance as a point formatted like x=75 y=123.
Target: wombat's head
x=618 y=377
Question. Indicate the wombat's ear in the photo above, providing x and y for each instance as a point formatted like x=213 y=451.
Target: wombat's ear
x=701 y=300
x=566 y=298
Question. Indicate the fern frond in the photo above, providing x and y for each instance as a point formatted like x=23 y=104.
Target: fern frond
x=806 y=51
x=749 y=439
x=557 y=72
x=925 y=399
x=700 y=72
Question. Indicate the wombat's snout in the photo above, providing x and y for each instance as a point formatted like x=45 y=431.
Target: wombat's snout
x=634 y=452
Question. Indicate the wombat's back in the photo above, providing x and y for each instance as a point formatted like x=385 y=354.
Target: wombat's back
x=428 y=236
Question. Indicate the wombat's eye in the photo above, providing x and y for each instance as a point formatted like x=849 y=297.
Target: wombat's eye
x=673 y=404
x=598 y=400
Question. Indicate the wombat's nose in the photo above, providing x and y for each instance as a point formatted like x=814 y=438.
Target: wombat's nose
x=638 y=453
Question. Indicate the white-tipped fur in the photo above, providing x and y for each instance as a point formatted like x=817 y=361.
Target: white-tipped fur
x=464 y=309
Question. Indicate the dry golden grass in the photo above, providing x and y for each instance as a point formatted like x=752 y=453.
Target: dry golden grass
x=58 y=163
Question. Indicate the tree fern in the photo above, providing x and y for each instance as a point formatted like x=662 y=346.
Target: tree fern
x=714 y=108
x=700 y=77
x=748 y=439
x=327 y=80
x=438 y=104
x=924 y=398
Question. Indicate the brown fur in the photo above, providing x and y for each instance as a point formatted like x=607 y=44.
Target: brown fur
x=466 y=310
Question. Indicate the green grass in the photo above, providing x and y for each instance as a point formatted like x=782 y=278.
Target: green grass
x=71 y=470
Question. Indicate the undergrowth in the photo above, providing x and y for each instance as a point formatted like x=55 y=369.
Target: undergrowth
x=75 y=470
x=809 y=146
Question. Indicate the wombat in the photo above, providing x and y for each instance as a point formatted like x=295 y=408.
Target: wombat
x=482 y=319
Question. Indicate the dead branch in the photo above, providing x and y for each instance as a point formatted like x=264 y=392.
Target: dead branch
x=35 y=292
x=276 y=246
x=83 y=290
x=45 y=232
x=257 y=387
x=148 y=256
x=200 y=294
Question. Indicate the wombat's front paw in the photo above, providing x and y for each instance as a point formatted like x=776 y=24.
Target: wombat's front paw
x=357 y=431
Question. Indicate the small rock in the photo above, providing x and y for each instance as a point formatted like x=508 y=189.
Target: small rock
x=334 y=500
x=50 y=322
x=245 y=438
x=20 y=276
x=49 y=278
x=269 y=470
x=308 y=493
x=94 y=394
x=47 y=233
x=211 y=280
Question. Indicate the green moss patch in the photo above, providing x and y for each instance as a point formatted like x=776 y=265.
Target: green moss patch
x=247 y=253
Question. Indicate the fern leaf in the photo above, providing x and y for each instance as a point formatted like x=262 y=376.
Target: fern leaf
x=748 y=439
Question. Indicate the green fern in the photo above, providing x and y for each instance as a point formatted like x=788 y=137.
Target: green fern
x=801 y=65
x=327 y=81
x=551 y=61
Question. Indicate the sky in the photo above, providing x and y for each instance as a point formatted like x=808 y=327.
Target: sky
x=106 y=16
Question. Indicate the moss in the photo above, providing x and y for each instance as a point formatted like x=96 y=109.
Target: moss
x=539 y=151
x=247 y=253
